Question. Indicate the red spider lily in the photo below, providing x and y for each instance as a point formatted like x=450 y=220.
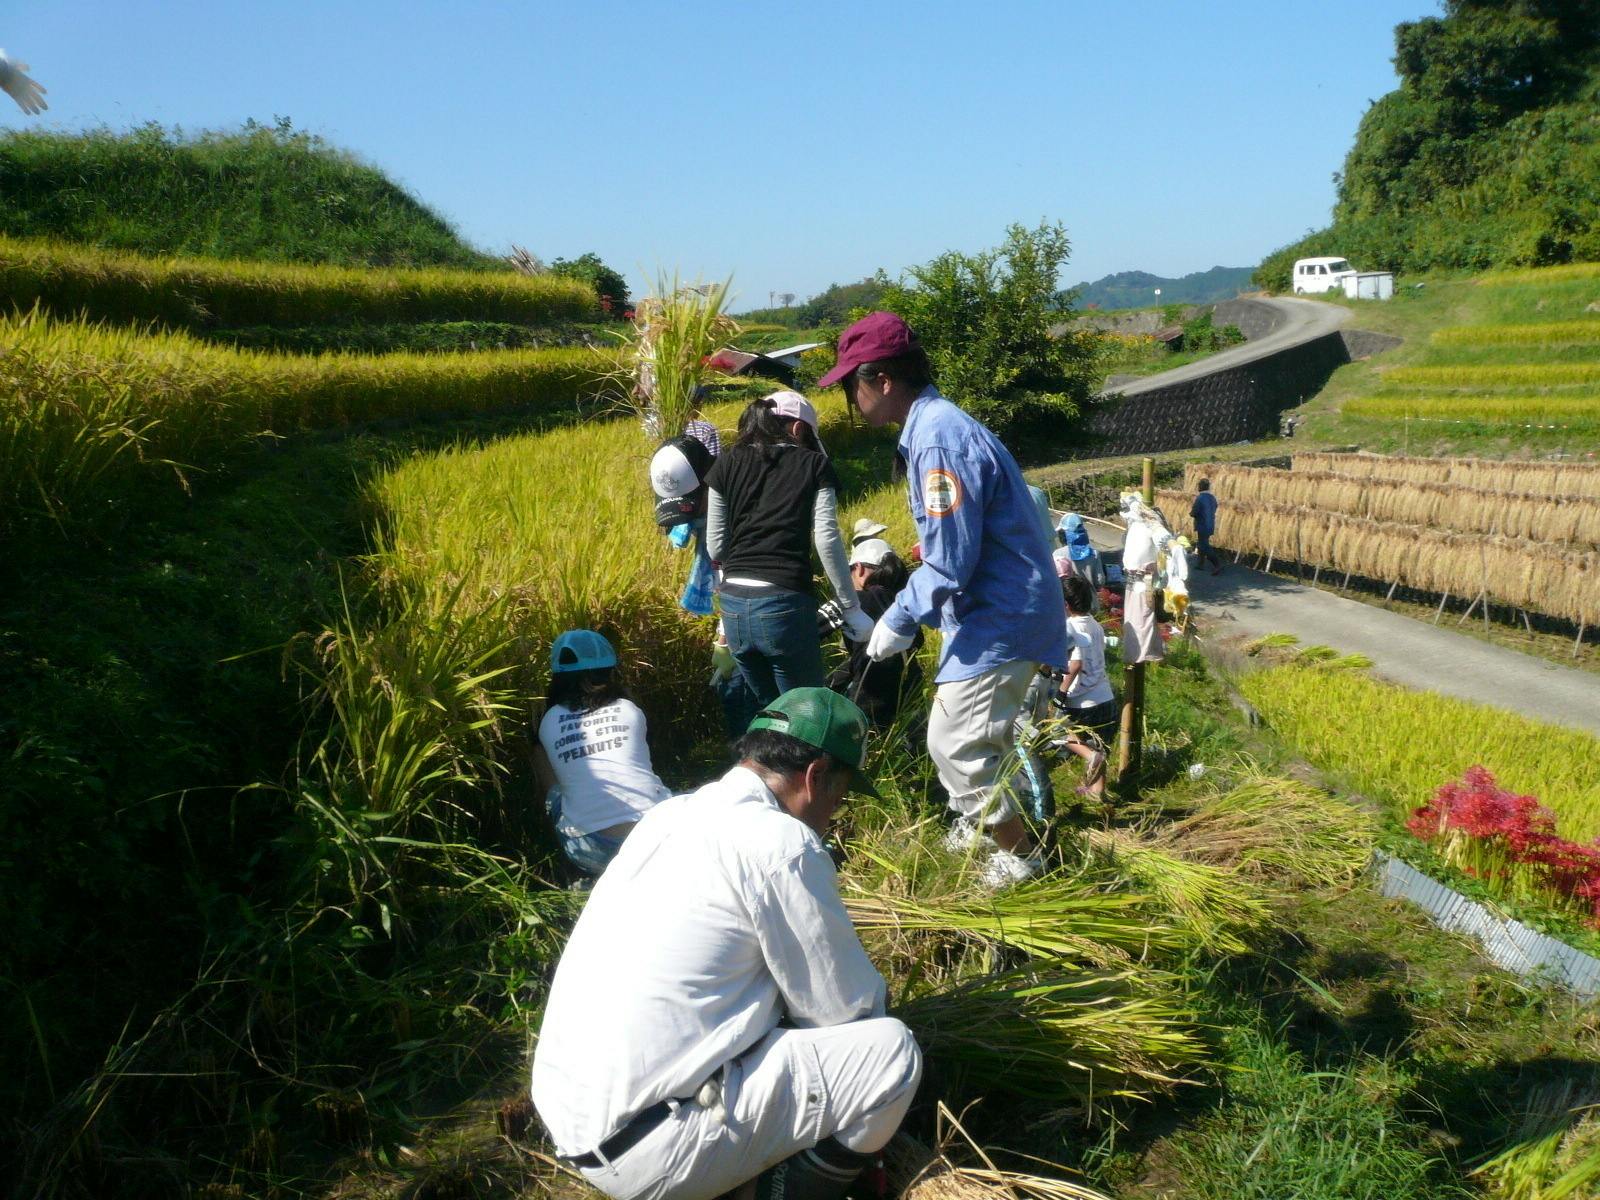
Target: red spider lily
x=1497 y=834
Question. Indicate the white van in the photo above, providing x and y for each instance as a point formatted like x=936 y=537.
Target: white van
x=1321 y=275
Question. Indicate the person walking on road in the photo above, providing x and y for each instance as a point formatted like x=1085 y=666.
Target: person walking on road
x=986 y=582
x=714 y=1018
x=1204 y=514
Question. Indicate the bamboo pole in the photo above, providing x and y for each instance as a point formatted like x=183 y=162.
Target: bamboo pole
x=1577 y=641
x=1130 y=745
x=1440 y=613
x=1462 y=619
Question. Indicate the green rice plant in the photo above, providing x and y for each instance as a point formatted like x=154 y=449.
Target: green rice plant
x=1579 y=410
x=1544 y=333
x=1273 y=830
x=1516 y=375
x=201 y=293
x=89 y=411
x=1057 y=1034
x=674 y=331
x=1563 y=273
x=1559 y=766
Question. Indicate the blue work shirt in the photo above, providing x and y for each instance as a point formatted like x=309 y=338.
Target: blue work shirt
x=1204 y=513
x=987 y=581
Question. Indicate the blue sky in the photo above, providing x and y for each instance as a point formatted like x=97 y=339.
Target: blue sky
x=789 y=145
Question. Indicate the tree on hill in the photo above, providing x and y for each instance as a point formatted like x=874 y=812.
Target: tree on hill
x=265 y=192
x=609 y=286
x=985 y=321
x=834 y=306
x=1487 y=154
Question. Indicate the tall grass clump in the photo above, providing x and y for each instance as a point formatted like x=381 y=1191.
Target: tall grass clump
x=1559 y=766
x=201 y=293
x=673 y=332
x=89 y=412
x=1556 y=1152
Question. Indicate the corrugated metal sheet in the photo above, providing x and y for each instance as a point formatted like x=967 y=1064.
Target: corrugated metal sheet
x=1507 y=943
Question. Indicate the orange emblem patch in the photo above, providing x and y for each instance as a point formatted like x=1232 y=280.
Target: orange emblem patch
x=941 y=493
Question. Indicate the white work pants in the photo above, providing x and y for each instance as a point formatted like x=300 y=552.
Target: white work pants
x=852 y=1082
x=970 y=739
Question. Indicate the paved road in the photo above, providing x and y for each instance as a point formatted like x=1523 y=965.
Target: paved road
x=1404 y=649
x=1303 y=320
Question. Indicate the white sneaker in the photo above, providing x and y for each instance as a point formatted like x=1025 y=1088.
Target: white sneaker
x=964 y=835
x=1005 y=868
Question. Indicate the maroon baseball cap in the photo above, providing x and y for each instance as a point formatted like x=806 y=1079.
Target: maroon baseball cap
x=875 y=337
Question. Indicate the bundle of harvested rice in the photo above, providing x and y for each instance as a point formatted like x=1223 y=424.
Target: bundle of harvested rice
x=1494 y=475
x=1571 y=520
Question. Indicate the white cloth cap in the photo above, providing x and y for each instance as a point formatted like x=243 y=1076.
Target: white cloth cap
x=671 y=475
x=795 y=407
x=866 y=528
x=870 y=552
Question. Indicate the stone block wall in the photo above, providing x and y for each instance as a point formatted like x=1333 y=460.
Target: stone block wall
x=1232 y=405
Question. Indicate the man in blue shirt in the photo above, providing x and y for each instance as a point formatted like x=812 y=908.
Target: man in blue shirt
x=1204 y=514
x=987 y=582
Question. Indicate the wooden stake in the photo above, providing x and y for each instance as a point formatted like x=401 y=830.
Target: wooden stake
x=1269 y=564
x=1462 y=619
x=1346 y=584
x=1577 y=641
x=1392 y=587
x=1526 y=624
x=1315 y=575
x=1440 y=613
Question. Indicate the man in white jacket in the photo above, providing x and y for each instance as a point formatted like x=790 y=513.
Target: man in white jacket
x=714 y=1019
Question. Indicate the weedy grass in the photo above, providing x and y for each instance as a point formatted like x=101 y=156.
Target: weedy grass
x=1561 y=767
x=89 y=412
x=74 y=281
x=1567 y=273
x=1287 y=1129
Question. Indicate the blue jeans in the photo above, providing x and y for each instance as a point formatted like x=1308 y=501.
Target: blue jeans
x=774 y=640
x=589 y=852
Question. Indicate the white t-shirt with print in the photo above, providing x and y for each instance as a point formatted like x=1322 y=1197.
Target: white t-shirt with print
x=602 y=764
x=1090 y=686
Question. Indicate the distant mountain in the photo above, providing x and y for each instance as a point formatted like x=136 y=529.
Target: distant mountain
x=1137 y=289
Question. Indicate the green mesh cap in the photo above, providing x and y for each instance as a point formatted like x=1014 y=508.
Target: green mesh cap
x=822 y=718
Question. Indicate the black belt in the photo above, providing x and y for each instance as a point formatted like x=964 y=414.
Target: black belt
x=624 y=1139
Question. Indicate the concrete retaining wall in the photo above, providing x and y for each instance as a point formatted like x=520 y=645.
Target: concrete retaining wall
x=1234 y=404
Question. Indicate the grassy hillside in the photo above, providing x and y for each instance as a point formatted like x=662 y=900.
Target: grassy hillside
x=1487 y=155
x=1505 y=365
x=262 y=193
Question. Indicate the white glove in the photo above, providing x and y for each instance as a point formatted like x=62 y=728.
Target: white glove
x=858 y=626
x=885 y=642
x=15 y=83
